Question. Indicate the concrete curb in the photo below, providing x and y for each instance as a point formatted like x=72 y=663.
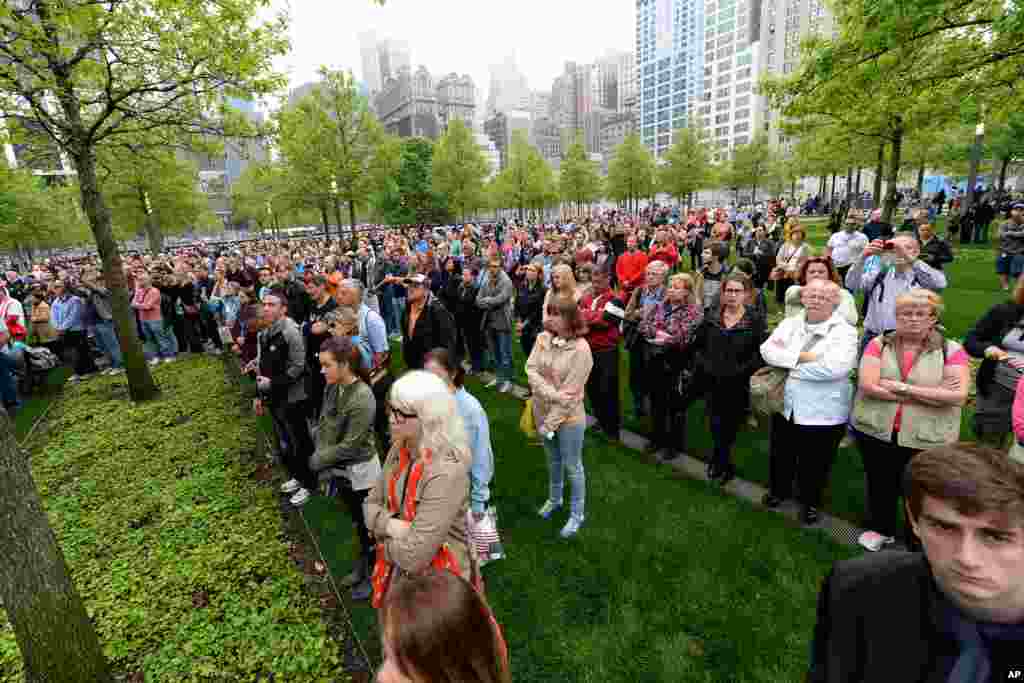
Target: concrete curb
x=839 y=530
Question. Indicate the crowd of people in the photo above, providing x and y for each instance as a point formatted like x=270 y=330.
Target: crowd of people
x=409 y=453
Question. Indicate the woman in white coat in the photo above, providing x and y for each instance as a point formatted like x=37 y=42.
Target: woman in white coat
x=819 y=348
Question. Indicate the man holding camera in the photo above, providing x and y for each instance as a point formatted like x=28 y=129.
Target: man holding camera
x=900 y=270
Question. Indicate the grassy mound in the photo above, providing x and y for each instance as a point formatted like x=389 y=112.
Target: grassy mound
x=178 y=556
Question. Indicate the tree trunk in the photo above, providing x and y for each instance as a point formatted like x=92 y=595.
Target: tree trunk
x=849 y=181
x=323 y=219
x=352 y=216
x=894 y=170
x=857 y=190
x=879 y=170
x=753 y=194
x=154 y=235
x=141 y=386
x=56 y=638
x=920 y=179
x=821 y=187
x=1002 y=173
x=832 y=194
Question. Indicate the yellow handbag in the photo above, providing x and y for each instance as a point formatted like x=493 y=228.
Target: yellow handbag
x=526 y=420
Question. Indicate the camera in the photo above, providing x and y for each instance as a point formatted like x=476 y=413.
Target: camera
x=889 y=245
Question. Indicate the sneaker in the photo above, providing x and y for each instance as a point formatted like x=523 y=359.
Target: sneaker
x=291 y=486
x=770 y=501
x=116 y=371
x=300 y=497
x=492 y=383
x=571 y=527
x=154 y=361
x=505 y=387
x=74 y=379
x=547 y=508
x=170 y=359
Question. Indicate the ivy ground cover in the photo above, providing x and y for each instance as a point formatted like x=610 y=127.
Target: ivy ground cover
x=177 y=553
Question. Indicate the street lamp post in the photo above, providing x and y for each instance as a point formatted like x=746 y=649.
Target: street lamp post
x=337 y=206
x=972 y=174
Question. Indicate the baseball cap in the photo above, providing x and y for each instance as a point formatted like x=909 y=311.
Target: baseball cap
x=1017 y=205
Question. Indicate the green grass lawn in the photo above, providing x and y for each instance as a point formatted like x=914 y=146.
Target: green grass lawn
x=177 y=553
x=669 y=580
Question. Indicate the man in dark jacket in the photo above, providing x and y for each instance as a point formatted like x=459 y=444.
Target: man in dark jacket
x=281 y=383
x=530 y=306
x=426 y=325
x=935 y=251
x=315 y=332
x=954 y=614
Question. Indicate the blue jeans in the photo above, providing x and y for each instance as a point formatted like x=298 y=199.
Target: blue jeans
x=565 y=452
x=107 y=338
x=397 y=311
x=162 y=336
x=500 y=346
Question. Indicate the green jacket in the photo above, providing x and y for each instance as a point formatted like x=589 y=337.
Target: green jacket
x=344 y=435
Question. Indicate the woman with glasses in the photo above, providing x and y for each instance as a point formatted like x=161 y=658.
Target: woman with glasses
x=818 y=348
x=821 y=268
x=728 y=344
x=417 y=509
x=558 y=370
x=913 y=385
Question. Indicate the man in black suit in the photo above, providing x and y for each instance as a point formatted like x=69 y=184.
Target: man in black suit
x=954 y=614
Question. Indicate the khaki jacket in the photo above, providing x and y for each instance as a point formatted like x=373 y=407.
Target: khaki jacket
x=921 y=426
x=442 y=498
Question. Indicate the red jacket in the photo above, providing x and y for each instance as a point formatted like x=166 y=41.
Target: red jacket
x=630 y=269
x=668 y=254
x=601 y=335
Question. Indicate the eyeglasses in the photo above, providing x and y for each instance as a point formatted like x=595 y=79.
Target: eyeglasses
x=398 y=415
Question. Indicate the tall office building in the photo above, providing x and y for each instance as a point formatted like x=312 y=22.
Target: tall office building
x=382 y=60
x=670 y=65
x=509 y=90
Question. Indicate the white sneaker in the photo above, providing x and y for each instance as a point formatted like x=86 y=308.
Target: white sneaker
x=74 y=379
x=505 y=387
x=571 y=527
x=300 y=497
x=116 y=371
x=492 y=383
x=291 y=486
x=154 y=361
x=170 y=360
x=547 y=508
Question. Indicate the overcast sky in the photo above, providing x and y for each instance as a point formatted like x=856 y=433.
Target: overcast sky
x=459 y=35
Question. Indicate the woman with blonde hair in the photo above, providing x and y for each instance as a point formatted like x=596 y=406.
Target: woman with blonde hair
x=789 y=259
x=912 y=387
x=417 y=509
x=669 y=326
x=563 y=283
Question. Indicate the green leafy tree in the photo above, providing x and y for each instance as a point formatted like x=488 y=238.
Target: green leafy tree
x=460 y=169
x=87 y=72
x=527 y=181
x=153 y=189
x=579 y=179
x=631 y=172
x=419 y=202
x=34 y=215
x=688 y=164
x=752 y=164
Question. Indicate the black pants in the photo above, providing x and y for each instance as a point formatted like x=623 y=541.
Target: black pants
x=528 y=338
x=696 y=259
x=354 y=502
x=803 y=452
x=290 y=418
x=668 y=412
x=380 y=420
x=470 y=342
x=884 y=463
x=842 y=271
x=728 y=402
x=780 y=290
x=638 y=377
x=76 y=345
x=603 y=390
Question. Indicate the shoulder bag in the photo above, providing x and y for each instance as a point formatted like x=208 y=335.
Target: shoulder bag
x=768 y=386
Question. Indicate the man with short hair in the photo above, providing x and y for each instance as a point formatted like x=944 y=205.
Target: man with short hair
x=901 y=270
x=846 y=245
x=952 y=614
x=603 y=338
x=1010 y=262
x=630 y=268
x=280 y=380
x=95 y=291
x=494 y=298
x=67 y=317
x=315 y=332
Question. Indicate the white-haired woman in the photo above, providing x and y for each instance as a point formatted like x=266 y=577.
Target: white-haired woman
x=643 y=299
x=417 y=509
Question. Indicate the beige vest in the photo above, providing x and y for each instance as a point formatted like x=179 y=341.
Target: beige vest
x=921 y=426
